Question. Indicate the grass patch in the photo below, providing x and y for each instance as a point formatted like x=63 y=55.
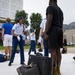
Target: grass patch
x=1 y=48
x=25 y=47
x=28 y=47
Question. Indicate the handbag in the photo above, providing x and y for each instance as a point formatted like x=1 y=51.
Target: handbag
x=31 y=69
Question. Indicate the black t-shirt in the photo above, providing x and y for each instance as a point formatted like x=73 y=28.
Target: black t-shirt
x=57 y=15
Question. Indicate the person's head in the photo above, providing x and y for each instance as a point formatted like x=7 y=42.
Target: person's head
x=8 y=20
x=20 y=20
x=52 y=1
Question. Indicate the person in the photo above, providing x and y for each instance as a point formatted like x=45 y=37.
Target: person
x=54 y=33
x=41 y=35
x=17 y=32
x=33 y=42
x=64 y=46
x=7 y=37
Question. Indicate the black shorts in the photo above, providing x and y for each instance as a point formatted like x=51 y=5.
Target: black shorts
x=55 y=37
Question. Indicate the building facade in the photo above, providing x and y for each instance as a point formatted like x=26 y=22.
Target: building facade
x=8 y=8
x=70 y=35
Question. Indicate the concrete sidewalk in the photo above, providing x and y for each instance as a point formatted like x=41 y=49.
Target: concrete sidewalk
x=71 y=50
x=67 y=65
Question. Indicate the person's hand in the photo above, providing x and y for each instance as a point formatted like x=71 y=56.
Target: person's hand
x=40 y=39
x=18 y=37
x=46 y=36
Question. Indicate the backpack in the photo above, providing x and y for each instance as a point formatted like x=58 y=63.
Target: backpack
x=2 y=58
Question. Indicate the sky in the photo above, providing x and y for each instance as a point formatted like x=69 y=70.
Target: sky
x=39 y=6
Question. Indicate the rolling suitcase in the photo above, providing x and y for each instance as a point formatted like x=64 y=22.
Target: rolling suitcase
x=28 y=70
x=39 y=54
x=45 y=64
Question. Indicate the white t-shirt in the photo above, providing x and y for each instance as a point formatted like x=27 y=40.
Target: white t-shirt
x=18 y=29
x=32 y=37
x=43 y=24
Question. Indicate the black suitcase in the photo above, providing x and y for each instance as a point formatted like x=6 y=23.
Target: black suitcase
x=40 y=50
x=45 y=64
x=28 y=70
x=39 y=54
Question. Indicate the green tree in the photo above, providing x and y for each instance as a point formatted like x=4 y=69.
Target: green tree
x=22 y=14
x=35 y=20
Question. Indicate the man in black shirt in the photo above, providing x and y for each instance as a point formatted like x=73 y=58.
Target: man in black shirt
x=54 y=33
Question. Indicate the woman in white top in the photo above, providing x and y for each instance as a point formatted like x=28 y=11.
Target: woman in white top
x=17 y=32
x=33 y=43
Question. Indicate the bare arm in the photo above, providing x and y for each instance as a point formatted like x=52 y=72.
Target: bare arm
x=14 y=33
x=48 y=23
x=2 y=32
x=41 y=31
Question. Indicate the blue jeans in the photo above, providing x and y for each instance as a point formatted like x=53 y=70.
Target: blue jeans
x=14 y=48
x=32 y=47
x=46 y=53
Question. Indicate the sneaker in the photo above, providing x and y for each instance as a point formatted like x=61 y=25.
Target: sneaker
x=9 y=64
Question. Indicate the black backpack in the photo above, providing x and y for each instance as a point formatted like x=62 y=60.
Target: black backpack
x=2 y=57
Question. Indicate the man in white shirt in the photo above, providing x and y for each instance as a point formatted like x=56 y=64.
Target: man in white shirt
x=33 y=42
x=41 y=35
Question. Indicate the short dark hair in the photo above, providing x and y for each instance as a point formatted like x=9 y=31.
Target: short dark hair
x=8 y=20
x=19 y=18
